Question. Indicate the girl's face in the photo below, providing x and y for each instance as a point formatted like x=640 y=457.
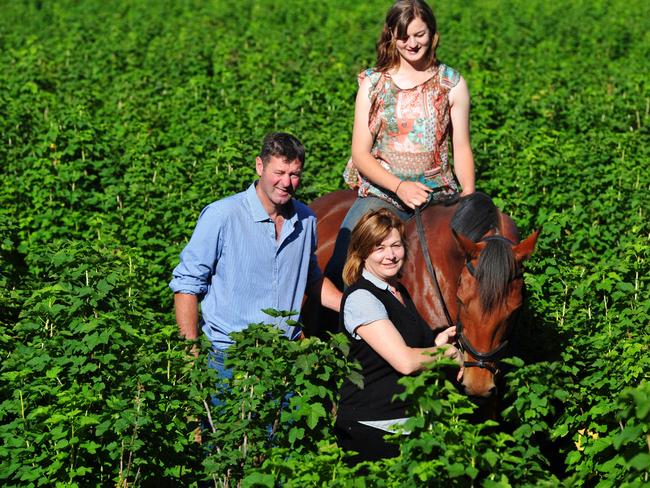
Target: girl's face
x=386 y=258
x=415 y=45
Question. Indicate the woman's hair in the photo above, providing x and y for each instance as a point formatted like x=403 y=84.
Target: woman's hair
x=369 y=232
x=401 y=14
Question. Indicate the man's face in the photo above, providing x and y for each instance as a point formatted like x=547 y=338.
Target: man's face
x=279 y=180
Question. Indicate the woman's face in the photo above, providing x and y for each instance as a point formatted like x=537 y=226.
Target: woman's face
x=415 y=45
x=387 y=258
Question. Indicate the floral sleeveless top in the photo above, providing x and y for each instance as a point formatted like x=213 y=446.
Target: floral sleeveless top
x=410 y=130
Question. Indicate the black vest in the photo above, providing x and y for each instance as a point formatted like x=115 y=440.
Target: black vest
x=375 y=400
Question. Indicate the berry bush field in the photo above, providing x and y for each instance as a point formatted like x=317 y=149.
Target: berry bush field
x=121 y=120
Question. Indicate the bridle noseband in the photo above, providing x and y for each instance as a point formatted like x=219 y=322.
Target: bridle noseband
x=481 y=359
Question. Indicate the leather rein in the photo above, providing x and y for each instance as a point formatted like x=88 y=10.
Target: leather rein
x=481 y=359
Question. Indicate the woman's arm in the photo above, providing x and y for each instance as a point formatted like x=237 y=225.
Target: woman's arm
x=412 y=193
x=463 y=158
x=384 y=338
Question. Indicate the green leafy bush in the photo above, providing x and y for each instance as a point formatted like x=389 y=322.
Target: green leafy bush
x=91 y=393
x=120 y=120
x=281 y=396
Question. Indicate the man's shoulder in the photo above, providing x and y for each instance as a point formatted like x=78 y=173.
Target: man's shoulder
x=225 y=206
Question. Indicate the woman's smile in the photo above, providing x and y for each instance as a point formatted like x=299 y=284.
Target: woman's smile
x=387 y=258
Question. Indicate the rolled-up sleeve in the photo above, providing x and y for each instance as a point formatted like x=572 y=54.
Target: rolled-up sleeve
x=199 y=258
x=362 y=307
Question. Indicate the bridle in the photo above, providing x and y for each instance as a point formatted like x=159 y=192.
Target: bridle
x=481 y=359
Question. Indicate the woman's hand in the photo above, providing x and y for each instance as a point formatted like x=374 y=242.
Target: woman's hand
x=412 y=193
x=451 y=352
x=445 y=336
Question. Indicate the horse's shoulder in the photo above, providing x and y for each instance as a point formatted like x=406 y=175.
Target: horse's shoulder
x=333 y=197
x=336 y=202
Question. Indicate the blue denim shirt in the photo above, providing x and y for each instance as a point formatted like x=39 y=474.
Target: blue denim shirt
x=236 y=266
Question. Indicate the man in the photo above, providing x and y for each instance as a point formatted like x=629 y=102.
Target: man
x=252 y=251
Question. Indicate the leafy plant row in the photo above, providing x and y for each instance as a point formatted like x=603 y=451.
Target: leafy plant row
x=120 y=120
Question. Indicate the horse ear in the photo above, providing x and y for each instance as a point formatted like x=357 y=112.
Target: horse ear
x=469 y=247
x=525 y=248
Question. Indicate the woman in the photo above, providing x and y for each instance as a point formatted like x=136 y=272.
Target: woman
x=388 y=337
x=408 y=108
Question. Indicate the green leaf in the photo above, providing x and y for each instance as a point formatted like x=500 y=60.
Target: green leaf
x=640 y=462
x=630 y=433
x=258 y=479
x=315 y=413
x=455 y=470
x=472 y=472
x=296 y=433
x=356 y=379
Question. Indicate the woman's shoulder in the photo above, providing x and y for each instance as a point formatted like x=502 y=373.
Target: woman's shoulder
x=361 y=306
x=448 y=76
x=360 y=295
x=361 y=284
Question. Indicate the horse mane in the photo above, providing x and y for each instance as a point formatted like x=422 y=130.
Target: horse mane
x=474 y=217
x=495 y=269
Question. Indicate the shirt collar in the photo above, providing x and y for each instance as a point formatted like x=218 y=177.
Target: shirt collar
x=381 y=284
x=257 y=209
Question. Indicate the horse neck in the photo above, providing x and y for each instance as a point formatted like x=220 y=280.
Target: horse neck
x=507 y=228
x=447 y=260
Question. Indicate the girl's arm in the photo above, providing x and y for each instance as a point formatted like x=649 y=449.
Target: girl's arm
x=384 y=338
x=463 y=158
x=412 y=193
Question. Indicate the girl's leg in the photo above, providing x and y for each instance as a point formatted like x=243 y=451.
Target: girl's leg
x=359 y=208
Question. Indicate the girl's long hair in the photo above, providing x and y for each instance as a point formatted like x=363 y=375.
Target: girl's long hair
x=398 y=19
x=369 y=232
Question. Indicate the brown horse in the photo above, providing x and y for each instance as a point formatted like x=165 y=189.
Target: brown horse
x=481 y=282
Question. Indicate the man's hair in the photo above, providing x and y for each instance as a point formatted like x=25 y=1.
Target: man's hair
x=282 y=145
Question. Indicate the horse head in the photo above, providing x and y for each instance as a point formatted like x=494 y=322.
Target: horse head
x=490 y=290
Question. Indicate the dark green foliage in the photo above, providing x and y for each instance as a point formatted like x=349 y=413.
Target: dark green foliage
x=282 y=394
x=120 y=120
x=91 y=393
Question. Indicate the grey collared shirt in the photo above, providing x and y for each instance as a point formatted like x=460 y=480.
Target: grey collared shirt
x=362 y=307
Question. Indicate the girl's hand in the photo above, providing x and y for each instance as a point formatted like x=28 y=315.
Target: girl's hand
x=413 y=193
